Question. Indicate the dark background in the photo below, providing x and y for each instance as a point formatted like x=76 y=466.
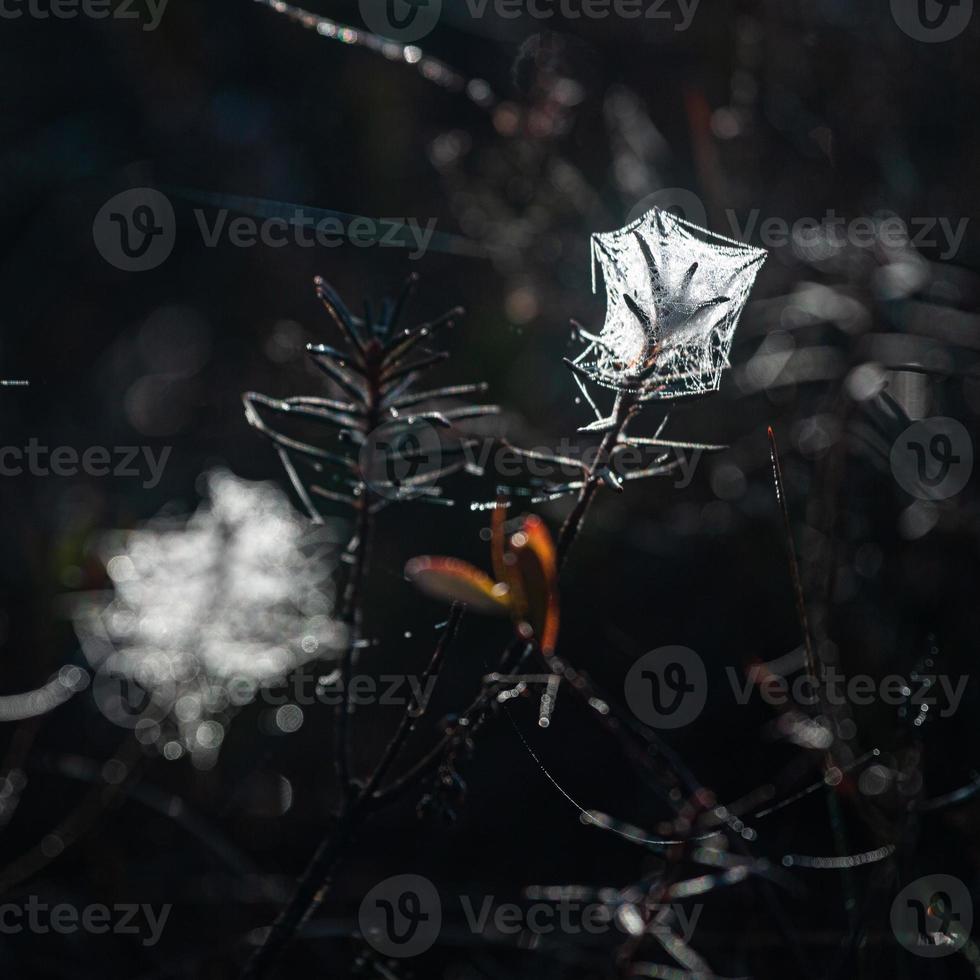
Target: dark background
x=789 y=108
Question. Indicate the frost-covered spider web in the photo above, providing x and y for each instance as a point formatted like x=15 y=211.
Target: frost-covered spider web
x=675 y=292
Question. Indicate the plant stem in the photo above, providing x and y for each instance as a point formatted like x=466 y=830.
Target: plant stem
x=414 y=711
x=351 y=615
x=359 y=802
x=309 y=894
x=623 y=410
x=351 y=605
x=362 y=802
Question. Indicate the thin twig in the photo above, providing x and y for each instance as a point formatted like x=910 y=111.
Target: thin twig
x=350 y=613
x=623 y=410
x=314 y=883
x=794 y=567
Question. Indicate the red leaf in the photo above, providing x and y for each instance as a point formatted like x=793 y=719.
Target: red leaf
x=538 y=566
x=454 y=580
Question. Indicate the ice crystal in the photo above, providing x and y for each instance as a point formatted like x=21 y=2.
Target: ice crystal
x=207 y=610
x=675 y=292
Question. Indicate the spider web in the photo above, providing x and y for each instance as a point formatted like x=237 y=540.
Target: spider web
x=675 y=292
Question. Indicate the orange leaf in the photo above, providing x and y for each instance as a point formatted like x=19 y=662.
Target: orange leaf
x=538 y=566
x=505 y=562
x=454 y=580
